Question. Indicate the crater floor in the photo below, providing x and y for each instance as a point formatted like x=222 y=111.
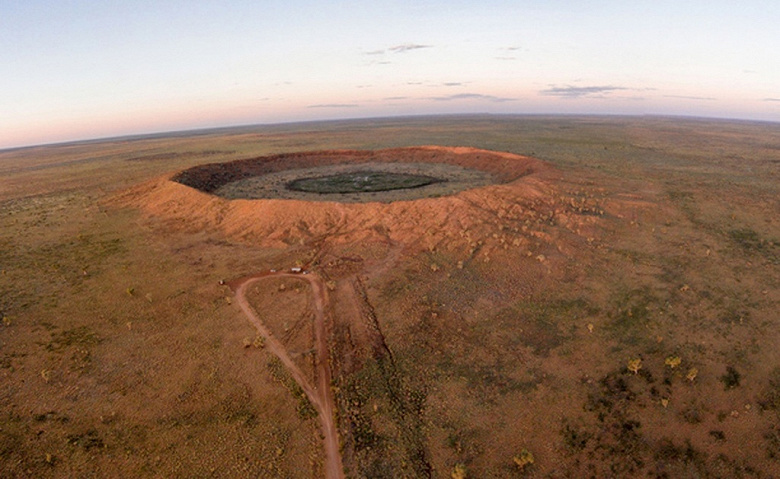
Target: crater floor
x=444 y=179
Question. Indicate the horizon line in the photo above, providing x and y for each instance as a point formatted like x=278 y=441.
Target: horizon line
x=160 y=134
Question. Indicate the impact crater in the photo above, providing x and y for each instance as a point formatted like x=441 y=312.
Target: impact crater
x=398 y=195
x=352 y=176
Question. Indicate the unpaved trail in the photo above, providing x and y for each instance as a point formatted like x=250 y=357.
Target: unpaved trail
x=320 y=395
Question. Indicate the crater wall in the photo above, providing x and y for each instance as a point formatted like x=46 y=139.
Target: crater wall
x=186 y=199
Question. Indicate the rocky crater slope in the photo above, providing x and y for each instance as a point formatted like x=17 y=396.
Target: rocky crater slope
x=522 y=192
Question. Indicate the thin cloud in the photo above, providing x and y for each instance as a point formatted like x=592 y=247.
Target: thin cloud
x=771 y=99
x=506 y=56
x=452 y=83
x=471 y=96
x=685 y=97
x=407 y=47
x=374 y=52
x=580 y=91
x=395 y=98
x=334 y=105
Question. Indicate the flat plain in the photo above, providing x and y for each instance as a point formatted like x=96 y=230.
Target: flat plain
x=622 y=321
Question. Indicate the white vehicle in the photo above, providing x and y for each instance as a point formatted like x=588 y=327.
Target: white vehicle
x=273 y=271
x=296 y=270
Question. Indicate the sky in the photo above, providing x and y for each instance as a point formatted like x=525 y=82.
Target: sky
x=74 y=69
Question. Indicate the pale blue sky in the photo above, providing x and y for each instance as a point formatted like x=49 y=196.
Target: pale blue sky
x=73 y=69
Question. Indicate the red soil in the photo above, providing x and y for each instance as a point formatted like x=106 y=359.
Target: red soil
x=276 y=222
x=320 y=394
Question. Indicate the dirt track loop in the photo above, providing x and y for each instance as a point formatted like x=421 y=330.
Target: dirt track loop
x=320 y=394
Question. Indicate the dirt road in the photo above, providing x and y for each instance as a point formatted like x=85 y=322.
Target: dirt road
x=319 y=394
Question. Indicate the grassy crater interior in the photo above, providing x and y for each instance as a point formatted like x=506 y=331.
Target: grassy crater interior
x=361 y=182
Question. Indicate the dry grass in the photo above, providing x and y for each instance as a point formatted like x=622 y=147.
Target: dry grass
x=121 y=355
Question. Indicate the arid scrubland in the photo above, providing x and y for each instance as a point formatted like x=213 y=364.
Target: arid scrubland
x=619 y=322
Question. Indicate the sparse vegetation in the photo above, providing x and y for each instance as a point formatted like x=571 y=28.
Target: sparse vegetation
x=524 y=459
x=459 y=472
x=122 y=352
x=634 y=365
x=673 y=361
x=360 y=182
x=731 y=379
x=304 y=407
